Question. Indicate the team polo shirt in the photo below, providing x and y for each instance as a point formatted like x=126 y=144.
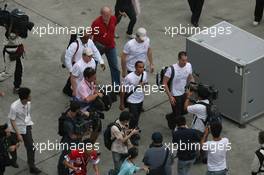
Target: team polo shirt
x=136 y=51
x=106 y=34
x=180 y=78
x=78 y=158
x=130 y=82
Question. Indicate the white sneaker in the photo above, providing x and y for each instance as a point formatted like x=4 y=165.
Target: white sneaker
x=132 y=36
x=4 y=76
x=255 y=23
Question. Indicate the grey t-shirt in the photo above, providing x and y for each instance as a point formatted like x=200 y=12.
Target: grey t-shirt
x=155 y=156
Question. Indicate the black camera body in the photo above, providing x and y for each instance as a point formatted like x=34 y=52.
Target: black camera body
x=210 y=90
x=16 y=22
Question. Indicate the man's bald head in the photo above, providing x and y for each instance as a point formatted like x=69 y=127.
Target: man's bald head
x=106 y=13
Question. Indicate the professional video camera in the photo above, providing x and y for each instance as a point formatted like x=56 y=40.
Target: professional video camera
x=212 y=92
x=16 y=22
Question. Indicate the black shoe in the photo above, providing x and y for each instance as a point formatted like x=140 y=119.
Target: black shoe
x=34 y=170
x=195 y=24
x=14 y=164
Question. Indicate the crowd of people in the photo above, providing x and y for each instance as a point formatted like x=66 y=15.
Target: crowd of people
x=81 y=123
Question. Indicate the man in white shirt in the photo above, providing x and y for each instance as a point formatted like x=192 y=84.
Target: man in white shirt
x=217 y=149
x=176 y=90
x=134 y=79
x=20 y=124
x=257 y=167
x=137 y=49
x=199 y=115
x=74 y=54
x=78 y=68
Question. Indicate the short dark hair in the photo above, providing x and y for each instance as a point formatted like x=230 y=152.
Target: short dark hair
x=133 y=152
x=88 y=72
x=261 y=137
x=24 y=93
x=203 y=92
x=181 y=53
x=125 y=116
x=138 y=62
x=180 y=120
x=74 y=106
x=216 y=129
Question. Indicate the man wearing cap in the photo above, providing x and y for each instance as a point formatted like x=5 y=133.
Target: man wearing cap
x=78 y=159
x=105 y=42
x=137 y=49
x=78 y=68
x=157 y=154
x=74 y=54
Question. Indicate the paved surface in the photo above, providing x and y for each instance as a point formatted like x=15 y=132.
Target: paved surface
x=46 y=78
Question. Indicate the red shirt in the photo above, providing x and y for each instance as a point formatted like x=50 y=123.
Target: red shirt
x=106 y=34
x=79 y=158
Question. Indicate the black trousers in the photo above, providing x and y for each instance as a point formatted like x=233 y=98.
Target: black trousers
x=135 y=109
x=130 y=11
x=18 y=73
x=259 y=10
x=28 y=143
x=196 y=8
x=2 y=169
x=178 y=109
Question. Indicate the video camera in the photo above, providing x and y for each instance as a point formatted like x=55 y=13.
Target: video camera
x=16 y=22
x=210 y=92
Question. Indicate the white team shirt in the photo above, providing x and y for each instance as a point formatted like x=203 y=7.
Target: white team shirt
x=180 y=78
x=136 y=52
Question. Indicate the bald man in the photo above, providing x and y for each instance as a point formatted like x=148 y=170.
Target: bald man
x=103 y=36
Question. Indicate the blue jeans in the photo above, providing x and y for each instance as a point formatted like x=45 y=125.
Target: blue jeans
x=111 y=56
x=184 y=166
x=222 y=172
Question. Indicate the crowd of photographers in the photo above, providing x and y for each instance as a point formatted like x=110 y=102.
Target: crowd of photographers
x=81 y=123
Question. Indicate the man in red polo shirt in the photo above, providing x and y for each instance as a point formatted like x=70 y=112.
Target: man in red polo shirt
x=103 y=37
x=78 y=159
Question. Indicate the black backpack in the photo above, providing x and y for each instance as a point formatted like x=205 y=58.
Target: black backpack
x=61 y=122
x=213 y=114
x=160 y=76
x=261 y=159
x=107 y=135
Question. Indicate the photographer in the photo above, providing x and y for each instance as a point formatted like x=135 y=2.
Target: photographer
x=86 y=91
x=199 y=113
x=121 y=135
x=68 y=132
x=5 y=148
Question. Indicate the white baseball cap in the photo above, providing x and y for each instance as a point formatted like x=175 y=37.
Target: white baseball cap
x=87 y=51
x=141 y=33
